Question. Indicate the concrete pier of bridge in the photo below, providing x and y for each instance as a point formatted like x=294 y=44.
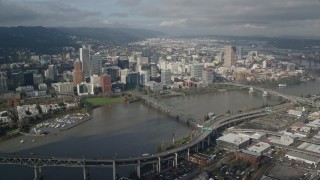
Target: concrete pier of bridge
x=38 y=175
x=85 y=173
x=139 y=169
x=114 y=170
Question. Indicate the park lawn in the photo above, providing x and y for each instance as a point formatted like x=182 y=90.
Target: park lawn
x=103 y=101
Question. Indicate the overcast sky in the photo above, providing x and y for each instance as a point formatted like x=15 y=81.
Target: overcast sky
x=220 y=17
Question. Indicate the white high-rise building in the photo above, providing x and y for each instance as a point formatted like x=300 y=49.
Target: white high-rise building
x=85 y=59
x=229 y=56
x=163 y=65
x=95 y=80
x=63 y=88
x=85 y=89
x=165 y=76
x=51 y=72
x=196 y=70
x=123 y=75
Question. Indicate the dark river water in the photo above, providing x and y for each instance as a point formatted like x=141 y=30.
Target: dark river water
x=123 y=130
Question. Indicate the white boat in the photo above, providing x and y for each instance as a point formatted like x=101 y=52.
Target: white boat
x=199 y=126
x=282 y=85
x=22 y=141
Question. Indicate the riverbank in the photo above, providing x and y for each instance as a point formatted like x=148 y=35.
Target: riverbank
x=25 y=128
x=101 y=101
x=212 y=88
x=141 y=128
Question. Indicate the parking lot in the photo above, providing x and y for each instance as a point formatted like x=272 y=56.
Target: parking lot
x=170 y=172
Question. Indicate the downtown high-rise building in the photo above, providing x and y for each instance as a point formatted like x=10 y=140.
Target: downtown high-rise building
x=132 y=80
x=105 y=82
x=51 y=73
x=239 y=52
x=144 y=78
x=166 y=76
x=207 y=77
x=229 y=56
x=196 y=70
x=3 y=83
x=77 y=73
x=28 y=78
x=154 y=70
x=85 y=60
x=96 y=64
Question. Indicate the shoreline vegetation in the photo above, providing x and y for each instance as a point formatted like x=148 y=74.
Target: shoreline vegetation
x=101 y=101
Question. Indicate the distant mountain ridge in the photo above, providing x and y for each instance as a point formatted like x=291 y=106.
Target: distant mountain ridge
x=121 y=35
x=46 y=40
x=33 y=38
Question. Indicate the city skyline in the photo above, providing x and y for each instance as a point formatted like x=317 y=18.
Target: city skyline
x=246 y=17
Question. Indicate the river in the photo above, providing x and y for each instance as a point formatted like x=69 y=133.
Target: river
x=304 y=88
x=123 y=130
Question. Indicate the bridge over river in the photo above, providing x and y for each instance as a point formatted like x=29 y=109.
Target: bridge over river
x=158 y=158
x=295 y=99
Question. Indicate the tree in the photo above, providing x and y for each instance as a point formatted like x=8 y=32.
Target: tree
x=159 y=149
x=61 y=104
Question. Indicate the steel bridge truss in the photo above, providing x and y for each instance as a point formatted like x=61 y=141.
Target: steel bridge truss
x=38 y=162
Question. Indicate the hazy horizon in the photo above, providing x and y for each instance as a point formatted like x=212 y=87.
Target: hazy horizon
x=173 y=17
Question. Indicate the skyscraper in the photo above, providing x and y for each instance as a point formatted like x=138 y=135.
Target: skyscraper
x=165 y=76
x=77 y=73
x=207 y=77
x=144 y=78
x=85 y=60
x=37 y=79
x=123 y=64
x=28 y=78
x=196 y=70
x=229 y=56
x=95 y=64
x=105 y=81
x=51 y=72
x=154 y=70
x=132 y=80
x=240 y=52
x=3 y=83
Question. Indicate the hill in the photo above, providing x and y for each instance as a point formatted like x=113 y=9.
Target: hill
x=49 y=40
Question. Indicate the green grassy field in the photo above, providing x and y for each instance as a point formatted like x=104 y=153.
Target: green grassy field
x=103 y=101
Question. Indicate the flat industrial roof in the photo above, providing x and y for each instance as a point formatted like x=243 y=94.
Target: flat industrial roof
x=234 y=138
x=303 y=156
x=259 y=147
x=310 y=147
